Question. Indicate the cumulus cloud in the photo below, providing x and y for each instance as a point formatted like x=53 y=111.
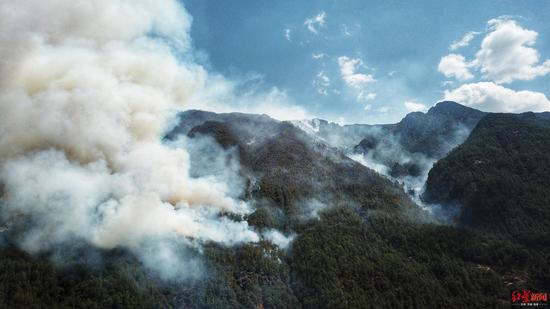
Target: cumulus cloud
x=316 y=21
x=348 y=70
x=357 y=81
x=86 y=92
x=454 y=65
x=506 y=53
x=490 y=97
x=464 y=41
x=415 y=106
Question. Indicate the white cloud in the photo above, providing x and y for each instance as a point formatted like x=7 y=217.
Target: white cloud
x=454 y=65
x=319 y=56
x=325 y=80
x=348 y=68
x=364 y=96
x=316 y=21
x=490 y=97
x=321 y=83
x=507 y=54
x=415 y=106
x=465 y=41
x=287 y=35
x=357 y=81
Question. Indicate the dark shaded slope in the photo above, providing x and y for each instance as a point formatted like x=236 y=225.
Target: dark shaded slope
x=31 y=282
x=437 y=131
x=348 y=260
x=543 y=115
x=406 y=151
x=500 y=177
x=343 y=262
x=433 y=133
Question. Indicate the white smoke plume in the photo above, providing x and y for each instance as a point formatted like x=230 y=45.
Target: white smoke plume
x=86 y=89
x=311 y=209
x=279 y=239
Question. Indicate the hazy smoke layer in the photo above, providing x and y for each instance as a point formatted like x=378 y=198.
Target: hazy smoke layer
x=86 y=88
x=389 y=154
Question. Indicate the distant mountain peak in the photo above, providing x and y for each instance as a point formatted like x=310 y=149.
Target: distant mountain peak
x=443 y=104
x=438 y=130
x=452 y=108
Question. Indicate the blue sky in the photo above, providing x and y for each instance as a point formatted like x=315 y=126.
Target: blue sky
x=373 y=62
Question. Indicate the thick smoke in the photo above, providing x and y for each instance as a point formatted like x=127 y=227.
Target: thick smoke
x=86 y=89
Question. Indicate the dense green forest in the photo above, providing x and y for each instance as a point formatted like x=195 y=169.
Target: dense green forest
x=499 y=179
x=343 y=260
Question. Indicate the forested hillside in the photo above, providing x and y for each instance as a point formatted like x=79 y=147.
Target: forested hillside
x=498 y=181
x=356 y=239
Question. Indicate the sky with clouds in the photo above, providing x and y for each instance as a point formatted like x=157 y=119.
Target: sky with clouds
x=354 y=61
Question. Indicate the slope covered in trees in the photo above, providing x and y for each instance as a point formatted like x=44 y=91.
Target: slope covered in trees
x=287 y=167
x=338 y=261
x=498 y=181
x=359 y=242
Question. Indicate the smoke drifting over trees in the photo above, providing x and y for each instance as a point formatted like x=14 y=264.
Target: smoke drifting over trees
x=86 y=92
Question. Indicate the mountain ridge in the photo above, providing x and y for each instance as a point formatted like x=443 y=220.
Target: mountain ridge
x=355 y=239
